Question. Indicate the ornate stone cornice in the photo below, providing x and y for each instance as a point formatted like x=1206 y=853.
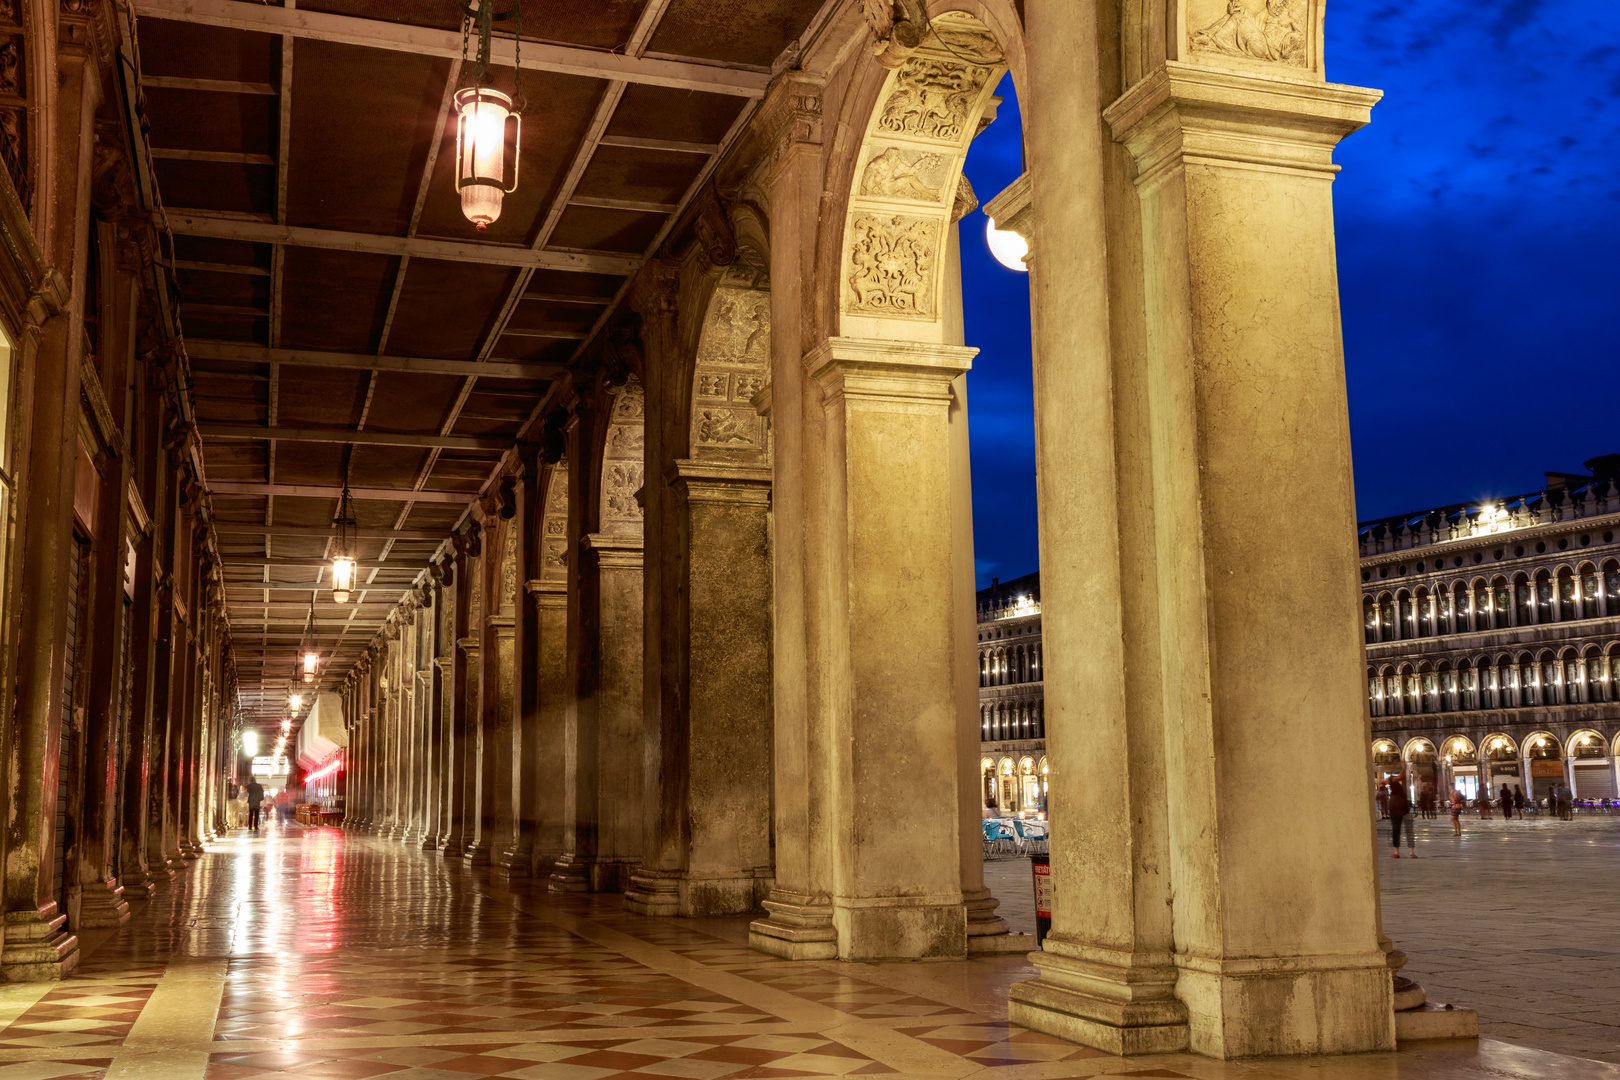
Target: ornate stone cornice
x=789 y=120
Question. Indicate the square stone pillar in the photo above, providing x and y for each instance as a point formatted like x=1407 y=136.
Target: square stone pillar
x=550 y=655
x=888 y=727
x=501 y=759
x=603 y=813
x=717 y=812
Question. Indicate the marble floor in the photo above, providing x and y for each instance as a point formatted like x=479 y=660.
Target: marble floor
x=314 y=953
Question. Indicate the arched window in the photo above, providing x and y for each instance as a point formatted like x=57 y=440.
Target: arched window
x=1507 y=685
x=1524 y=602
x=1589 y=592
x=1552 y=680
x=1387 y=625
x=1039 y=672
x=1369 y=620
x=984 y=669
x=1529 y=682
x=1566 y=596
x=1424 y=605
x=1375 y=694
x=1502 y=606
x=1544 y=597
x=1611 y=587
x=1449 y=700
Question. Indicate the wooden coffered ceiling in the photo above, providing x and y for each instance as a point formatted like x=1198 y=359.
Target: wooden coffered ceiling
x=341 y=316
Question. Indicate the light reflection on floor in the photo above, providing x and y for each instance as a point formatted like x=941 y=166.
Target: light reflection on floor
x=314 y=953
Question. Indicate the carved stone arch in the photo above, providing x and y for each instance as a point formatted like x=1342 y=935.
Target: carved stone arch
x=881 y=252
x=554 y=525
x=623 y=461
x=27 y=99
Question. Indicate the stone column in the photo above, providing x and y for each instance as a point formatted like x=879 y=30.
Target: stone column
x=102 y=902
x=800 y=925
x=499 y=763
x=551 y=690
x=715 y=814
x=454 y=839
x=518 y=860
x=1192 y=414
x=892 y=720
x=138 y=760
x=433 y=706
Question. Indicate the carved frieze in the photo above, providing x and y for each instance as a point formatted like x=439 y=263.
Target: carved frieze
x=554 y=527
x=622 y=471
x=747 y=270
x=892 y=264
x=906 y=174
x=509 y=571
x=1271 y=30
x=933 y=99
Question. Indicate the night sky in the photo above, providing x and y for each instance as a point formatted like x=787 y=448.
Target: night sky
x=1477 y=225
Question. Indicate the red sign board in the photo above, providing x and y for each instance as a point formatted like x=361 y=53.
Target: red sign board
x=1043 y=891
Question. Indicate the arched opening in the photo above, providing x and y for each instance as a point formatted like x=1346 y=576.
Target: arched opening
x=1501 y=765
x=1544 y=754
x=1590 y=765
x=1461 y=761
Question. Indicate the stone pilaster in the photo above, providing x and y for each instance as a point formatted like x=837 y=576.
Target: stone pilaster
x=550 y=652
x=603 y=810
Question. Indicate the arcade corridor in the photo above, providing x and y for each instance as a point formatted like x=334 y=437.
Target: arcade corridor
x=320 y=954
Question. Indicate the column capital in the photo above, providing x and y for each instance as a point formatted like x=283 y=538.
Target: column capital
x=719 y=482
x=1189 y=113
x=893 y=370
x=615 y=551
x=1013 y=209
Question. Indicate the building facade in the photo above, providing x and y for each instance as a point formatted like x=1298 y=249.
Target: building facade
x=1493 y=640
x=1012 y=708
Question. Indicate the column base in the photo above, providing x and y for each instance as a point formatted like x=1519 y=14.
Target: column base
x=452 y=847
x=1119 y=1003
x=799 y=927
x=514 y=863
x=36 y=948
x=574 y=873
x=477 y=853
x=138 y=887
x=1287 y=1006
x=430 y=842
x=682 y=892
x=102 y=904
x=901 y=927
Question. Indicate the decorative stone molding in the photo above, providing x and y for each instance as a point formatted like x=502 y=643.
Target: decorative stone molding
x=789 y=119
x=898 y=28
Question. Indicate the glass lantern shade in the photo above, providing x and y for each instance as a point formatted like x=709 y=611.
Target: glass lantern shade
x=342 y=578
x=487 y=132
x=311 y=661
x=296 y=702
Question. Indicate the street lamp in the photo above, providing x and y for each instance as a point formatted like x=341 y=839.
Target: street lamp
x=1008 y=247
x=489 y=122
x=342 y=558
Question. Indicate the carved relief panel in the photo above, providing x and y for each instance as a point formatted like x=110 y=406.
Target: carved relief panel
x=906 y=181
x=733 y=364
x=508 y=598
x=14 y=149
x=554 y=526
x=1276 y=33
x=622 y=461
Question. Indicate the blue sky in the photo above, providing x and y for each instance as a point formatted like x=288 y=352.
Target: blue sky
x=1478 y=218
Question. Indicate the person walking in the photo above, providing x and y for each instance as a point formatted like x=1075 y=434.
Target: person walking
x=1518 y=801
x=1456 y=812
x=1400 y=810
x=1383 y=800
x=255 y=799
x=1507 y=802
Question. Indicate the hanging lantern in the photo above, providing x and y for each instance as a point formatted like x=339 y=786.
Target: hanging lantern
x=489 y=122
x=343 y=565
x=311 y=661
x=487 y=132
x=296 y=702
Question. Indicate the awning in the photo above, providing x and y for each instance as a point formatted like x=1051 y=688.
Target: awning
x=323 y=733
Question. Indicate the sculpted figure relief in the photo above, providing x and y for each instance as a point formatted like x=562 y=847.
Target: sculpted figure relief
x=892 y=264
x=1257 y=30
x=933 y=99
x=906 y=174
x=721 y=427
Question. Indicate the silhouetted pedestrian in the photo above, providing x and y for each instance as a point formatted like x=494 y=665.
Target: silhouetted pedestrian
x=1400 y=810
x=255 y=799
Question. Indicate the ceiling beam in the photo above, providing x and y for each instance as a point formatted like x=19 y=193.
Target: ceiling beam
x=219 y=86
x=220 y=227
x=313 y=564
x=419 y=365
x=324 y=491
x=319 y=586
x=341 y=435
x=251 y=528
x=425 y=41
